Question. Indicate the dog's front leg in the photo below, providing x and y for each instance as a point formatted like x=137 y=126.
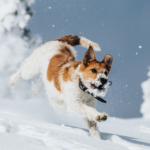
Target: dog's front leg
x=92 y=126
x=76 y=106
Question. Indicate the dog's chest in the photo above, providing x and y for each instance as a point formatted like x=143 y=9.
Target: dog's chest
x=86 y=98
x=72 y=91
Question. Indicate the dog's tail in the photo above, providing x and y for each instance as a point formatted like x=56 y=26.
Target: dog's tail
x=76 y=40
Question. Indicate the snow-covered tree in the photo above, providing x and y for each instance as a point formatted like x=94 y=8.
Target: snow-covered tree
x=145 y=107
x=16 y=41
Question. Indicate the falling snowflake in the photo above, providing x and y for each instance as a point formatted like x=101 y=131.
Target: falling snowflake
x=140 y=46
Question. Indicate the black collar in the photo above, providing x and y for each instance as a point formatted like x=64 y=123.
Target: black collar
x=84 y=88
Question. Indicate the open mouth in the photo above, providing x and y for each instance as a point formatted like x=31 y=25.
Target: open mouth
x=98 y=87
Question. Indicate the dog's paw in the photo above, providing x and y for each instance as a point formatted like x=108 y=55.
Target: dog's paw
x=95 y=46
x=102 y=117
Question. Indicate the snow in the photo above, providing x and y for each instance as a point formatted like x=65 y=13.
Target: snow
x=34 y=125
x=145 y=107
x=145 y=129
x=7 y=17
x=14 y=45
x=140 y=46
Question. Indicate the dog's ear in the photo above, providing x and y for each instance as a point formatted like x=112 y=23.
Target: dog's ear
x=108 y=59
x=89 y=56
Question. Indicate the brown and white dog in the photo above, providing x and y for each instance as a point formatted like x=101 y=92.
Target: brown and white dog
x=61 y=74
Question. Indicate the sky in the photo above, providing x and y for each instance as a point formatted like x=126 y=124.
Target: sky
x=120 y=27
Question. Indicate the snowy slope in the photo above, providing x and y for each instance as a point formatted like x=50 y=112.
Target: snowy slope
x=33 y=125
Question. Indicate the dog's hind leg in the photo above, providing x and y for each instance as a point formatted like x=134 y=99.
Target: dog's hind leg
x=31 y=67
x=37 y=87
x=28 y=69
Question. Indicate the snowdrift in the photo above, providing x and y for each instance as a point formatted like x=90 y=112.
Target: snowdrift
x=145 y=107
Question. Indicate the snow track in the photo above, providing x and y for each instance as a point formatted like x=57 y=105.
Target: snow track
x=145 y=129
x=128 y=145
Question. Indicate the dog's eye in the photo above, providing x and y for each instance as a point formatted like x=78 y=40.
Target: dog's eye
x=94 y=70
x=105 y=73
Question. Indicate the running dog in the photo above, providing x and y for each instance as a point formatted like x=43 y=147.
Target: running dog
x=65 y=78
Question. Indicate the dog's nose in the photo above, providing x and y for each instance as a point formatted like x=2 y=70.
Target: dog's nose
x=103 y=80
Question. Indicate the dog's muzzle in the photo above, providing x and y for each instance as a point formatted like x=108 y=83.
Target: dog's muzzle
x=101 y=87
x=84 y=89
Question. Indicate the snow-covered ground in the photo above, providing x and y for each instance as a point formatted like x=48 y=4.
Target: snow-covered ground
x=34 y=125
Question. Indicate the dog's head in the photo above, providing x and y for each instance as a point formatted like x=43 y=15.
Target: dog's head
x=94 y=74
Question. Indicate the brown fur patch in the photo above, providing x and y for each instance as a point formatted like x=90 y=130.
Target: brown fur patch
x=66 y=52
x=75 y=64
x=54 y=69
x=66 y=74
x=70 y=39
x=69 y=70
x=56 y=64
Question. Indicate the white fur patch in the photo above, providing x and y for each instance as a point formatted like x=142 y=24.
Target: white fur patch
x=86 y=43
